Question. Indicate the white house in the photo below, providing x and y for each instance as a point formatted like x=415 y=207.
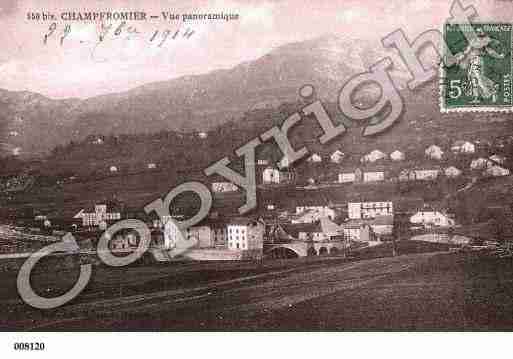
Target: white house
x=430 y=217
x=406 y=175
x=452 y=172
x=272 y=175
x=245 y=235
x=113 y=169
x=347 y=177
x=315 y=158
x=480 y=164
x=397 y=156
x=284 y=162
x=202 y=135
x=497 y=171
x=434 y=152
x=365 y=210
x=221 y=187
x=426 y=174
x=337 y=156
x=373 y=176
x=463 y=147
x=152 y=166
x=373 y=156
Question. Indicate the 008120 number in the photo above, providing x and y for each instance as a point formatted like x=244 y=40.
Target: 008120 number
x=29 y=346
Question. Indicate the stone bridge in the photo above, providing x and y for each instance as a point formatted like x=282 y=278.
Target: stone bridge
x=296 y=249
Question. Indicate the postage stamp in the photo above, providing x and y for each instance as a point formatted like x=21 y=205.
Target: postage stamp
x=477 y=71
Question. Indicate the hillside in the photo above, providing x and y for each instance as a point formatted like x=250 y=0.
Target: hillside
x=188 y=103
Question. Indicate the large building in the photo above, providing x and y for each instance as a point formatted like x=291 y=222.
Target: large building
x=431 y=217
x=366 y=210
x=245 y=234
x=346 y=177
x=101 y=215
x=373 y=176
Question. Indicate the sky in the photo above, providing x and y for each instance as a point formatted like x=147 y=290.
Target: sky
x=82 y=68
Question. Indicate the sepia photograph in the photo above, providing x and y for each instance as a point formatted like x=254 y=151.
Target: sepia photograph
x=255 y=166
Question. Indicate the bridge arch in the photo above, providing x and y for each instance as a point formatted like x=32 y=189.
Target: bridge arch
x=282 y=253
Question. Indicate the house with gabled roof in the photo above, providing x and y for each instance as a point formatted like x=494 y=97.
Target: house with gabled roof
x=434 y=152
x=429 y=217
x=397 y=156
x=373 y=156
x=315 y=158
x=452 y=172
x=337 y=156
x=497 y=171
x=463 y=147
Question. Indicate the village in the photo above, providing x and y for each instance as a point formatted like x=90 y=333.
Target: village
x=382 y=204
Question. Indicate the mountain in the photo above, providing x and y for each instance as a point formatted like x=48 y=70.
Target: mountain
x=32 y=124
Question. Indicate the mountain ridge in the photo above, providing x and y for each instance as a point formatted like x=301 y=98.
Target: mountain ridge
x=35 y=124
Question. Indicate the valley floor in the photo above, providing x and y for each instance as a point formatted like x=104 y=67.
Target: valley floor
x=430 y=291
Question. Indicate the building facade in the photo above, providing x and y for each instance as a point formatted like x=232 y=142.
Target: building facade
x=245 y=235
x=366 y=210
x=347 y=177
x=431 y=218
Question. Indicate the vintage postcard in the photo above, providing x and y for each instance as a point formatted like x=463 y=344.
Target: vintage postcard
x=231 y=165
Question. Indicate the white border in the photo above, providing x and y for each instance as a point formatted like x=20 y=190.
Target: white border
x=126 y=345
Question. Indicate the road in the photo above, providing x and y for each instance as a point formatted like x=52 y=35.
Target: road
x=415 y=292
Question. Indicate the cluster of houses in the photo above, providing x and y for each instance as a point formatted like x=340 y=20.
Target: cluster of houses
x=374 y=170
x=368 y=222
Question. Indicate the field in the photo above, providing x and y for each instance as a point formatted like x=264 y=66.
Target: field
x=423 y=291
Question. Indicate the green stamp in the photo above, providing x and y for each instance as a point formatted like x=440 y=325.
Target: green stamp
x=477 y=73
